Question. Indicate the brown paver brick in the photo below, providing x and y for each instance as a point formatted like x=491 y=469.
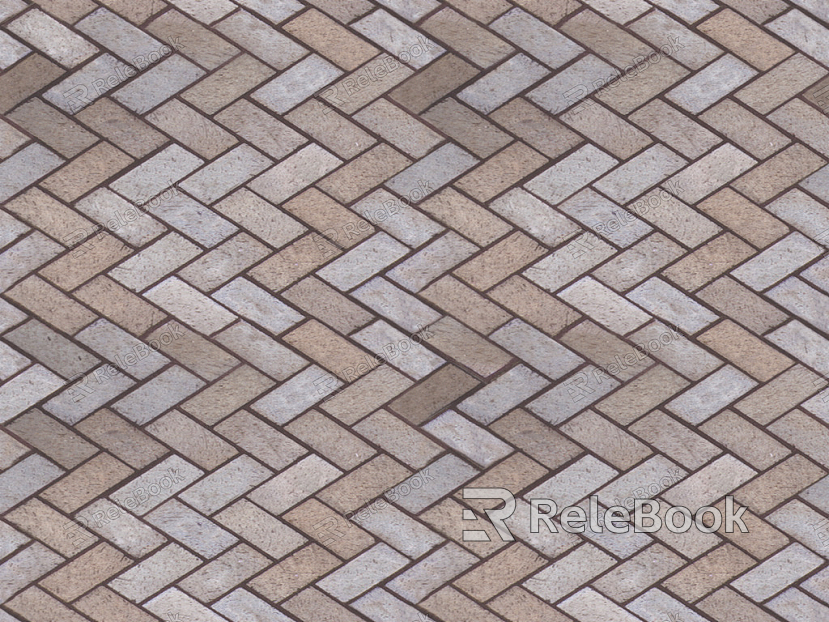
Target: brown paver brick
x=365 y=483
x=121 y=127
x=778 y=173
x=709 y=573
x=708 y=262
x=87 y=482
x=470 y=129
x=333 y=41
x=501 y=172
x=749 y=42
x=30 y=75
x=779 y=483
x=95 y=566
x=87 y=171
x=434 y=394
x=472 y=41
x=744 y=350
x=457 y=299
x=227 y=84
x=35 y=604
x=50 y=304
x=364 y=173
x=197 y=42
x=434 y=83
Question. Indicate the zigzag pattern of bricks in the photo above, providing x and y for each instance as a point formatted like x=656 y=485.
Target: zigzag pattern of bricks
x=279 y=279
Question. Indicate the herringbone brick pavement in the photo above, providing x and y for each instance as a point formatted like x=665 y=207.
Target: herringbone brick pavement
x=281 y=280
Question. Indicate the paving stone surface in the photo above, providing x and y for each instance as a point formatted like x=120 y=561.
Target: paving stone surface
x=285 y=283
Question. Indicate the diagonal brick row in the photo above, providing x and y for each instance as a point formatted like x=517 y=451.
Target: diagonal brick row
x=280 y=279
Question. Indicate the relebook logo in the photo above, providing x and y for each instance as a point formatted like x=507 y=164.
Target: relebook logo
x=617 y=519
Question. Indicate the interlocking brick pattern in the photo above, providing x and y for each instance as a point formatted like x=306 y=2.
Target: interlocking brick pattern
x=280 y=278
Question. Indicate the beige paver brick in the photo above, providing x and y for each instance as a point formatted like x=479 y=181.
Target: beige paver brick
x=227 y=84
x=323 y=214
x=340 y=535
x=102 y=601
x=439 y=390
x=364 y=173
x=311 y=605
x=38 y=605
x=762 y=539
x=746 y=40
x=294 y=573
x=49 y=526
x=512 y=253
x=472 y=41
x=21 y=81
x=725 y=602
x=364 y=484
x=228 y=394
x=779 y=483
x=326 y=347
x=466 y=126
x=121 y=438
x=748 y=441
x=54 y=439
x=85 y=572
x=739 y=303
x=87 y=482
x=50 y=304
x=709 y=572
x=502 y=171
x=745 y=350
x=538 y=129
x=121 y=127
x=451 y=605
x=742 y=216
x=464 y=303
x=86 y=171
x=399 y=439
x=501 y=570
x=75 y=268
x=191 y=128
x=465 y=216
x=745 y=128
x=436 y=81
x=330 y=39
x=708 y=262
x=778 y=173
x=52 y=127
x=197 y=42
